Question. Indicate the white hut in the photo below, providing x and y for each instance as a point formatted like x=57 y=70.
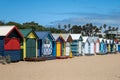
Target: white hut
x=86 y=45
x=92 y=45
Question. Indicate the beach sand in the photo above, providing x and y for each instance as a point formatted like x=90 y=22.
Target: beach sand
x=98 y=67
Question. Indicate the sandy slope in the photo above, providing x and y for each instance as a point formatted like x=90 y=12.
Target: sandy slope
x=105 y=67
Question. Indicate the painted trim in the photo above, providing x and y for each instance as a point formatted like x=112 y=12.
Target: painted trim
x=36 y=48
x=24 y=48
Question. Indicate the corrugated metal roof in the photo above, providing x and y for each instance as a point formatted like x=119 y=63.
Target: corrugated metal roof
x=25 y=32
x=75 y=36
x=4 y=30
x=43 y=34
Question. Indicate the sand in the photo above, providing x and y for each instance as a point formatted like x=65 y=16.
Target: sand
x=98 y=67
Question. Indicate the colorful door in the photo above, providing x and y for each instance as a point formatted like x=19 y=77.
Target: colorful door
x=58 y=49
x=30 y=48
x=97 y=48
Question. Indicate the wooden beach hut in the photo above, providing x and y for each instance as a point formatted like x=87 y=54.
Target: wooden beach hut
x=108 y=46
x=91 y=45
x=29 y=44
x=97 y=46
x=102 y=45
x=113 y=46
x=76 y=45
x=105 y=46
x=46 y=45
x=116 y=42
x=60 y=46
x=10 y=39
x=68 y=41
x=86 y=46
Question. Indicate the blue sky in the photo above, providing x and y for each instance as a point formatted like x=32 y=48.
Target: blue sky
x=54 y=12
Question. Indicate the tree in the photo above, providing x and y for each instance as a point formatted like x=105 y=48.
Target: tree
x=59 y=26
x=18 y=25
x=2 y=23
x=105 y=26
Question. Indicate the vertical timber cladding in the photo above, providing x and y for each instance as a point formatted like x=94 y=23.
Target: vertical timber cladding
x=31 y=46
x=58 y=49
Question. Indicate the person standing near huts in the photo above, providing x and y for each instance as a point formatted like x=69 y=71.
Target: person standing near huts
x=60 y=46
x=68 y=41
x=46 y=45
x=76 y=45
x=10 y=39
x=29 y=45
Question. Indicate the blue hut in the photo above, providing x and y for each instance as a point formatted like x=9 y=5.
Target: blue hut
x=102 y=47
x=46 y=45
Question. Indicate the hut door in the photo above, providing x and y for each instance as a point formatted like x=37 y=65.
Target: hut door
x=30 y=48
x=67 y=49
x=97 y=47
x=58 y=49
x=92 y=48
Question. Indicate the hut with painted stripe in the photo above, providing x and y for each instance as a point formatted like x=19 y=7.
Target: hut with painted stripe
x=10 y=39
x=76 y=45
x=29 y=44
x=68 y=41
x=46 y=45
x=119 y=47
x=105 y=46
x=116 y=42
x=60 y=46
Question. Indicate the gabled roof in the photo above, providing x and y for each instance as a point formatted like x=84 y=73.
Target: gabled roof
x=75 y=36
x=43 y=34
x=85 y=38
x=90 y=39
x=57 y=36
x=25 y=32
x=4 y=30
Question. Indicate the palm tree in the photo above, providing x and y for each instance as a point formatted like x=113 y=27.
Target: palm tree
x=59 y=26
x=105 y=26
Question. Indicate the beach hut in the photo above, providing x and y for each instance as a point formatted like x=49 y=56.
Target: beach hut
x=119 y=47
x=76 y=45
x=91 y=45
x=105 y=46
x=60 y=45
x=10 y=39
x=108 y=46
x=102 y=45
x=113 y=46
x=97 y=46
x=68 y=41
x=46 y=45
x=85 y=45
x=116 y=43
x=29 y=44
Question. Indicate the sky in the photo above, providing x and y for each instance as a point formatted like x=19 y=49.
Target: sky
x=54 y=12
